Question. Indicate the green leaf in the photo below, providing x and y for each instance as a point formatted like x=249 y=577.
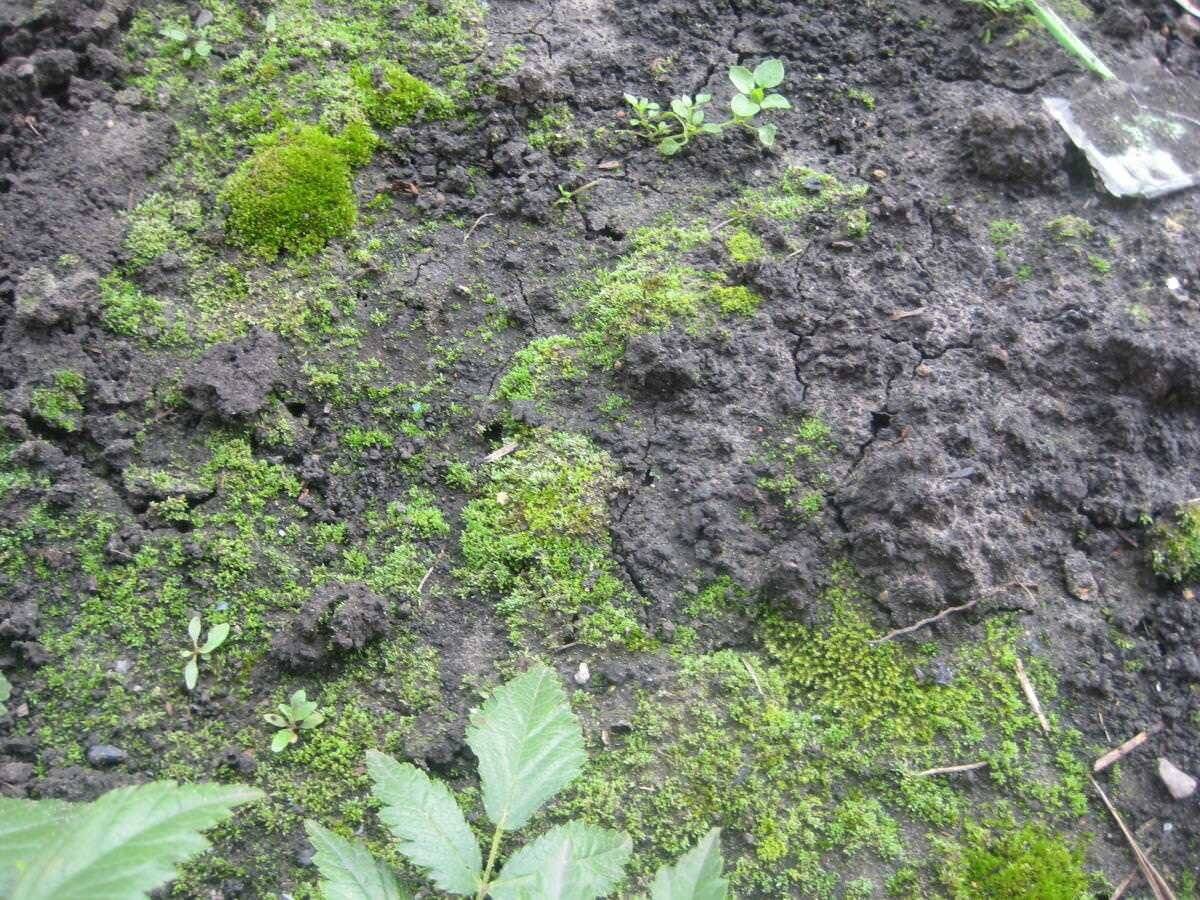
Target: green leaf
x=26 y=825
x=203 y=49
x=710 y=128
x=769 y=73
x=216 y=637
x=743 y=106
x=775 y=101
x=173 y=33
x=126 y=843
x=194 y=629
x=528 y=742
x=695 y=876
x=270 y=24
x=766 y=135
x=282 y=740
x=670 y=146
x=5 y=688
x=742 y=78
x=277 y=721
x=312 y=721
x=571 y=862
x=681 y=107
x=191 y=672
x=425 y=818
x=348 y=870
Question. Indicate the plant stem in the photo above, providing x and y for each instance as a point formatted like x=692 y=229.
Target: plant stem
x=485 y=881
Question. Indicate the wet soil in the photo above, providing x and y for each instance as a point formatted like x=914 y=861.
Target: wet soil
x=1006 y=414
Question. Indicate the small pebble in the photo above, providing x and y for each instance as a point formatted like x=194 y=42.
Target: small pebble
x=583 y=674
x=1179 y=783
x=104 y=756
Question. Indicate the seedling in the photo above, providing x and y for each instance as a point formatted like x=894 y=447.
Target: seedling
x=297 y=715
x=216 y=637
x=674 y=128
x=191 y=49
x=530 y=746
x=567 y=197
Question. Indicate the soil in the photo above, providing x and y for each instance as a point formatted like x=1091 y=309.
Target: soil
x=1005 y=410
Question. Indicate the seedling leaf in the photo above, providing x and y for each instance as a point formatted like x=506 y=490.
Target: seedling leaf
x=427 y=821
x=695 y=876
x=775 y=101
x=348 y=870
x=766 y=135
x=194 y=629
x=742 y=78
x=681 y=107
x=216 y=637
x=124 y=844
x=281 y=740
x=529 y=745
x=769 y=73
x=743 y=106
x=191 y=672
x=670 y=146
x=571 y=862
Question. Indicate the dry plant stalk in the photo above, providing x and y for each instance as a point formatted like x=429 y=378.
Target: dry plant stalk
x=1158 y=884
x=947 y=770
x=1031 y=696
x=1125 y=749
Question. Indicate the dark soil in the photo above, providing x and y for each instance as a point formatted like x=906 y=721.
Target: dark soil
x=1007 y=411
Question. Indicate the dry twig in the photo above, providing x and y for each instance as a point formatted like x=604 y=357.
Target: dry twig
x=471 y=230
x=500 y=452
x=436 y=562
x=917 y=625
x=1124 y=885
x=1031 y=695
x=1158 y=884
x=947 y=770
x=1126 y=748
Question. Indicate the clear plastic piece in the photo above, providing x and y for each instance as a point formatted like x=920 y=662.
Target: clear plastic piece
x=1141 y=141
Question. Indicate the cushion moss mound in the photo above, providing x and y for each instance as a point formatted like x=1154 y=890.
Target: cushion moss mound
x=294 y=194
x=1017 y=864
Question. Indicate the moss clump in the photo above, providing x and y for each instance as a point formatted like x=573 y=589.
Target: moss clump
x=392 y=96
x=735 y=300
x=534 y=367
x=294 y=194
x=744 y=246
x=799 y=193
x=1175 y=552
x=1014 y=865
x=537 y=537
x=60 y=405
x=1070 y=229
x=159 y=224
x=126 y=310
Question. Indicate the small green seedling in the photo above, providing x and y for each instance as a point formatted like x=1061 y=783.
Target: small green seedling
x=190 y=49
x=298 y=714
x=674 y=128
x=5 y=693
x=216 y=637
x=566 y=197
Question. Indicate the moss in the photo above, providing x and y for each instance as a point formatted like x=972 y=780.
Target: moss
x=744 y=246
x=554 y=130
x=537 y=365
x=1099 y=264
x=1070 y=229
x=1014 y=864
x=293 y=194
x=126 y=310
x=158 y=224
x=1003 y=232
x=60 y=404
x=537 y=538
x=393 y=96
x=1175 y=547
x=859 y=95
x=798 y=194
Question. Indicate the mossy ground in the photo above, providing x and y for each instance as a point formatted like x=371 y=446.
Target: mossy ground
x=803 y=740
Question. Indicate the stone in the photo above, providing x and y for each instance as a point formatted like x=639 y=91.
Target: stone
x=105 y=756
x=1180 y=784
x=1078 y=577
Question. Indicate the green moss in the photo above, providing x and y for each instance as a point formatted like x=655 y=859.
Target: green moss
x=60 y=404
x=1175 y=547
x=1070 y=229
x=537 y=538
x=865 y=97
x=126 y=310
x=798 y=194
x=1002 y=232
x=158 y=224
x=360 y=439
x=392 y=96
x=744 y=246
x=293 y=194
x=554 y=130
x=535 y=367
x=1099 y=264
x=1015 y=864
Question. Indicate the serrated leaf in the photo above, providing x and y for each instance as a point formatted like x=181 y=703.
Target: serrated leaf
x=528 y=743
x=27 y=825
x=427 y=821
x=769 y=73
x=216 y=637
x=282 y=740
x=775 y=101
x=194 y=629
x=742 y=78
x=348 y=870
x=571 y=862
x=743 y=106
x=696 y=875
x=126 y=843
x=766 y=135
x=191 y=672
